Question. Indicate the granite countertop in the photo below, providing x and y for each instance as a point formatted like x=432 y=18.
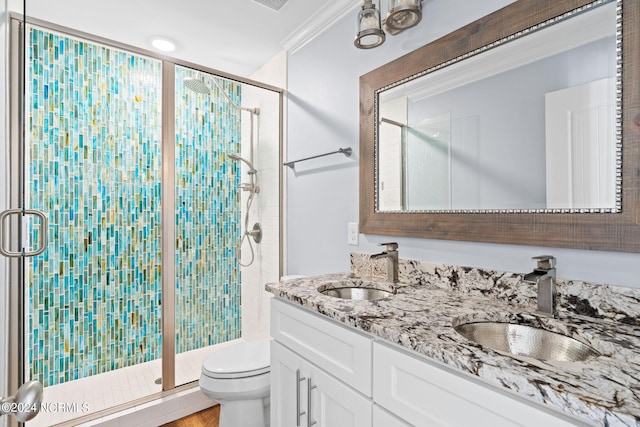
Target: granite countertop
x=420 y=316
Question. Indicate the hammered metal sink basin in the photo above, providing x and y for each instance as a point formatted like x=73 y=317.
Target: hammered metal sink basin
x=368 y=294
x=361 y=290
x=522 y=340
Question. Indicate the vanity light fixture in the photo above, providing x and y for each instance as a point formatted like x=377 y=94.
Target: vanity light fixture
x=370 y=32
x=402 y=14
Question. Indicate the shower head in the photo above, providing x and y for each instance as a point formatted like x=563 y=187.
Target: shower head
x=196 y=85
x=201 y=87
x=252 y=170
x=26 y=402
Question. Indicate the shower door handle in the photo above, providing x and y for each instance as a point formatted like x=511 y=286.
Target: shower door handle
x=44 y=225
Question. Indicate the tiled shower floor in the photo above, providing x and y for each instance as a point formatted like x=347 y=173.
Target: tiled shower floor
x=106 y=390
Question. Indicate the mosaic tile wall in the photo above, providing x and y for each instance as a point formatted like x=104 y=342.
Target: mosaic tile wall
x=207 y=214
x=93 y=163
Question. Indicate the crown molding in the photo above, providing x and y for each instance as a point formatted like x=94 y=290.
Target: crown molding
x=318 y=23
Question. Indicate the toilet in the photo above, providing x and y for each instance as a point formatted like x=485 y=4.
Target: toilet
x=238 y=378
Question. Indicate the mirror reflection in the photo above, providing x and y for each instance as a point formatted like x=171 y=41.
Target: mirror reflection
x=528 y=125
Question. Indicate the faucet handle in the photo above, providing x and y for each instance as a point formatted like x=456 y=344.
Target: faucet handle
x=545 y=262
x=391 y=246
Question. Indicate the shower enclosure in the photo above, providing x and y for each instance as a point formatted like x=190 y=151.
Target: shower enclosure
x=137 y=176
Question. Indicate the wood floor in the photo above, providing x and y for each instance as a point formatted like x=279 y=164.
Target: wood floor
x=207 y=418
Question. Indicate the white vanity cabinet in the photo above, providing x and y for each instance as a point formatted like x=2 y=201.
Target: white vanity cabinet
x=344 y=378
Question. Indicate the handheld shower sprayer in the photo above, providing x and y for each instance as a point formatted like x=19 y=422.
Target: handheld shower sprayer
x=25 y=404
x=252 y=170
x=253 y=189
x=252 y=186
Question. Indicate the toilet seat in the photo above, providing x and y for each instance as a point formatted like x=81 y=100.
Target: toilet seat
x=242 y=360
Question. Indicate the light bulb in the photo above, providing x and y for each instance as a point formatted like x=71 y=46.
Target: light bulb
x=369 y=21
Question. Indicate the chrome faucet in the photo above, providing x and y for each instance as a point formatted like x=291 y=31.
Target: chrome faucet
x=544 y=277
x=391 y=254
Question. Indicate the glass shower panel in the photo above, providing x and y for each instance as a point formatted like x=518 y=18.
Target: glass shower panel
x=208 y=129
x=427 y=159
x=93 y=163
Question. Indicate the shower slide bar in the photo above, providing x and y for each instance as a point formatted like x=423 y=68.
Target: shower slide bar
x=346 y=151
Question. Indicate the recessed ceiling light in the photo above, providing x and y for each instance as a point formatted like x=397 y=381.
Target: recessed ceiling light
x=163 y=44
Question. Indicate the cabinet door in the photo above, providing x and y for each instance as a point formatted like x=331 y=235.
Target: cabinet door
x=341 y=351
x=288 y=391
x=297 y=385
x=333 y=404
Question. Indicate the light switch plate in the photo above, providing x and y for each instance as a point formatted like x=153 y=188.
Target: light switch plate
x=352 y=237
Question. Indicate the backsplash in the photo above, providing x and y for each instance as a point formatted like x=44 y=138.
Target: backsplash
x=600 y=301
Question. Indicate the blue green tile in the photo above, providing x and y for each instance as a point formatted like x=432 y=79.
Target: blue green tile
x=94 y=164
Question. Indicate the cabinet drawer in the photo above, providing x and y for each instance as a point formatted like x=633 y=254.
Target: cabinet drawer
x=426 y=395
x=343 y=353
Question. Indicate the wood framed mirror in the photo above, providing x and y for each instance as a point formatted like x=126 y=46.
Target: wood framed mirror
x=610 y=226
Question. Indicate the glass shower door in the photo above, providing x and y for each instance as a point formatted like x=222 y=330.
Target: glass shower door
x=139 y=216
x=92 y=162
x=208 y=224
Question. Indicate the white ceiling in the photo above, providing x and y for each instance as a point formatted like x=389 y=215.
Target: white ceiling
x=234 y=36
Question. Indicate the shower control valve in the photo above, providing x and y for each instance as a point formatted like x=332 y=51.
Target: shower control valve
x=245 y=186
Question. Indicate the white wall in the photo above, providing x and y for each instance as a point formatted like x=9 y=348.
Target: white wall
x=322 y=196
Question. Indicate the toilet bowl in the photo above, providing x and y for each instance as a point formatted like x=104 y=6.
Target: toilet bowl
x=238 y=378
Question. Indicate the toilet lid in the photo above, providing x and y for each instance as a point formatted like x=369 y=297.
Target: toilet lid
x=244 y=359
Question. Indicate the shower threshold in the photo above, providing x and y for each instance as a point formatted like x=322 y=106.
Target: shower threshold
x=96 y=393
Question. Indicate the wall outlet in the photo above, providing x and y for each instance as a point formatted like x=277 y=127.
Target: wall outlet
x=352 y=236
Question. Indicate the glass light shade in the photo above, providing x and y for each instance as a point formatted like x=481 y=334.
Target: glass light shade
x=370 y=33
x=403 y=14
